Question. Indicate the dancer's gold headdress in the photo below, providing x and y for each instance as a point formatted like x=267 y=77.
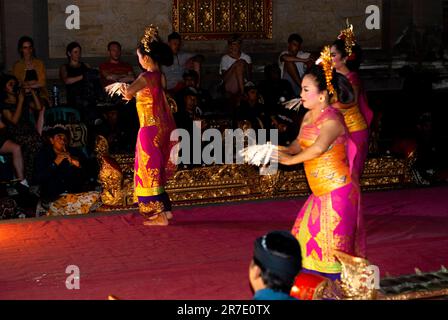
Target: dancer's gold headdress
x=348 y=36
x=327 y=64
x=151 y=34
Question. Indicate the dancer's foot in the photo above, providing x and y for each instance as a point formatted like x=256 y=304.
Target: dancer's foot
x=169 y=215
x=160 y=220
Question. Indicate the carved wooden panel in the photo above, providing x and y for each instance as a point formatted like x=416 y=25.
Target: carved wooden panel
x=218 y=19
x=232 y=183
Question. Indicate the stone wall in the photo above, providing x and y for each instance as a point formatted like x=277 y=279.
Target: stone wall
x=318 y=21
x=17 y=20
x=103 y=20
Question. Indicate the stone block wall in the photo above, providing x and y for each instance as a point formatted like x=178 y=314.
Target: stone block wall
x=318 y=21
x=102 y=20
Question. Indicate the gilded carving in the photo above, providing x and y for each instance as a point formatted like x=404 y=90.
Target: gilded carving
x=217 y=19
x=205 y=16
x=187 y=16
x=114 y=187
x=224 y=183
x=222 y=16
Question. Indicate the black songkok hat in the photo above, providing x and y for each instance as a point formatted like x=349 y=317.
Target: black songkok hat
x=279 y=252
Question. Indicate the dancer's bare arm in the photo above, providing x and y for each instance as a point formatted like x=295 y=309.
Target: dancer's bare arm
x=129 y=92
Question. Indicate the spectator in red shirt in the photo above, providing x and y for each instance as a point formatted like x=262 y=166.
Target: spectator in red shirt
x=115 y=70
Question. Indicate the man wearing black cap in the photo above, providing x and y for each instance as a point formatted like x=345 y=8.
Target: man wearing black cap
x=59 y=167
x=276 y=263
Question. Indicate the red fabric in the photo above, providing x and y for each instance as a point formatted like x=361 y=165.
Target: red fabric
x=120 y=68
x=206 y=252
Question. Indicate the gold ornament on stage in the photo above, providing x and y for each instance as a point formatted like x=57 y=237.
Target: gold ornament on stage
x=327 y=64
x=115 y=188
x=356 y=277
x=151 y=34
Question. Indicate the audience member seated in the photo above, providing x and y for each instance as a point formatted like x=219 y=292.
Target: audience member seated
x=274 y=89
x=115 y=70
x=32 y=76
x=294 y=62
x=115 y=130
x=235 y=68
x=17 y=118
x=287 y=123
x=9 y=147
x=191 y=79
x=82 y=83
x=183 y=61
x=189 y=112
x=188 y=109
x=252 y=109
x=29 y=70
x=276 y=263
x=61 y=177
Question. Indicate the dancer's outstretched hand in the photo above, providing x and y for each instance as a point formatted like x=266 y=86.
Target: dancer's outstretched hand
x=284 y=158
x=123 y=91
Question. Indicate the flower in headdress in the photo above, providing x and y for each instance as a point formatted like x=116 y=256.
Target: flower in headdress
x=348 y=36
x=151 y=34
x=327 y=64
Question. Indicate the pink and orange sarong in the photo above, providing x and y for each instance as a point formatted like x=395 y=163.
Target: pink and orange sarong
x=152 y=156
x=330 y=219
x=358 y=120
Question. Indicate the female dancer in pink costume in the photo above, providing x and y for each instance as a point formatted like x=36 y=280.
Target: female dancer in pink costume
x=346 y=57
x=152 y=157
x=329 y=219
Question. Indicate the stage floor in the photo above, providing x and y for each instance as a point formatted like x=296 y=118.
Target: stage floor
x=206 y=251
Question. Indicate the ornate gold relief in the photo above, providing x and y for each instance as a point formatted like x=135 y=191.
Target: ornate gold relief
x=218 y=19
x=230 y=183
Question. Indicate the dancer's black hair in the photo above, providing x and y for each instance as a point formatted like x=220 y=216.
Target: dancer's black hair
x=354 y=63
x=341 y=84
x=160 y=52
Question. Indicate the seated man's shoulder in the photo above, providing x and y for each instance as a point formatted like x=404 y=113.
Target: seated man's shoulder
x=246 y=57
x=226 y=57
x=284 y=53
x=109 y=65
x=104 y=65
x=303 y=55
x=182 y=55
x=125 y=64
